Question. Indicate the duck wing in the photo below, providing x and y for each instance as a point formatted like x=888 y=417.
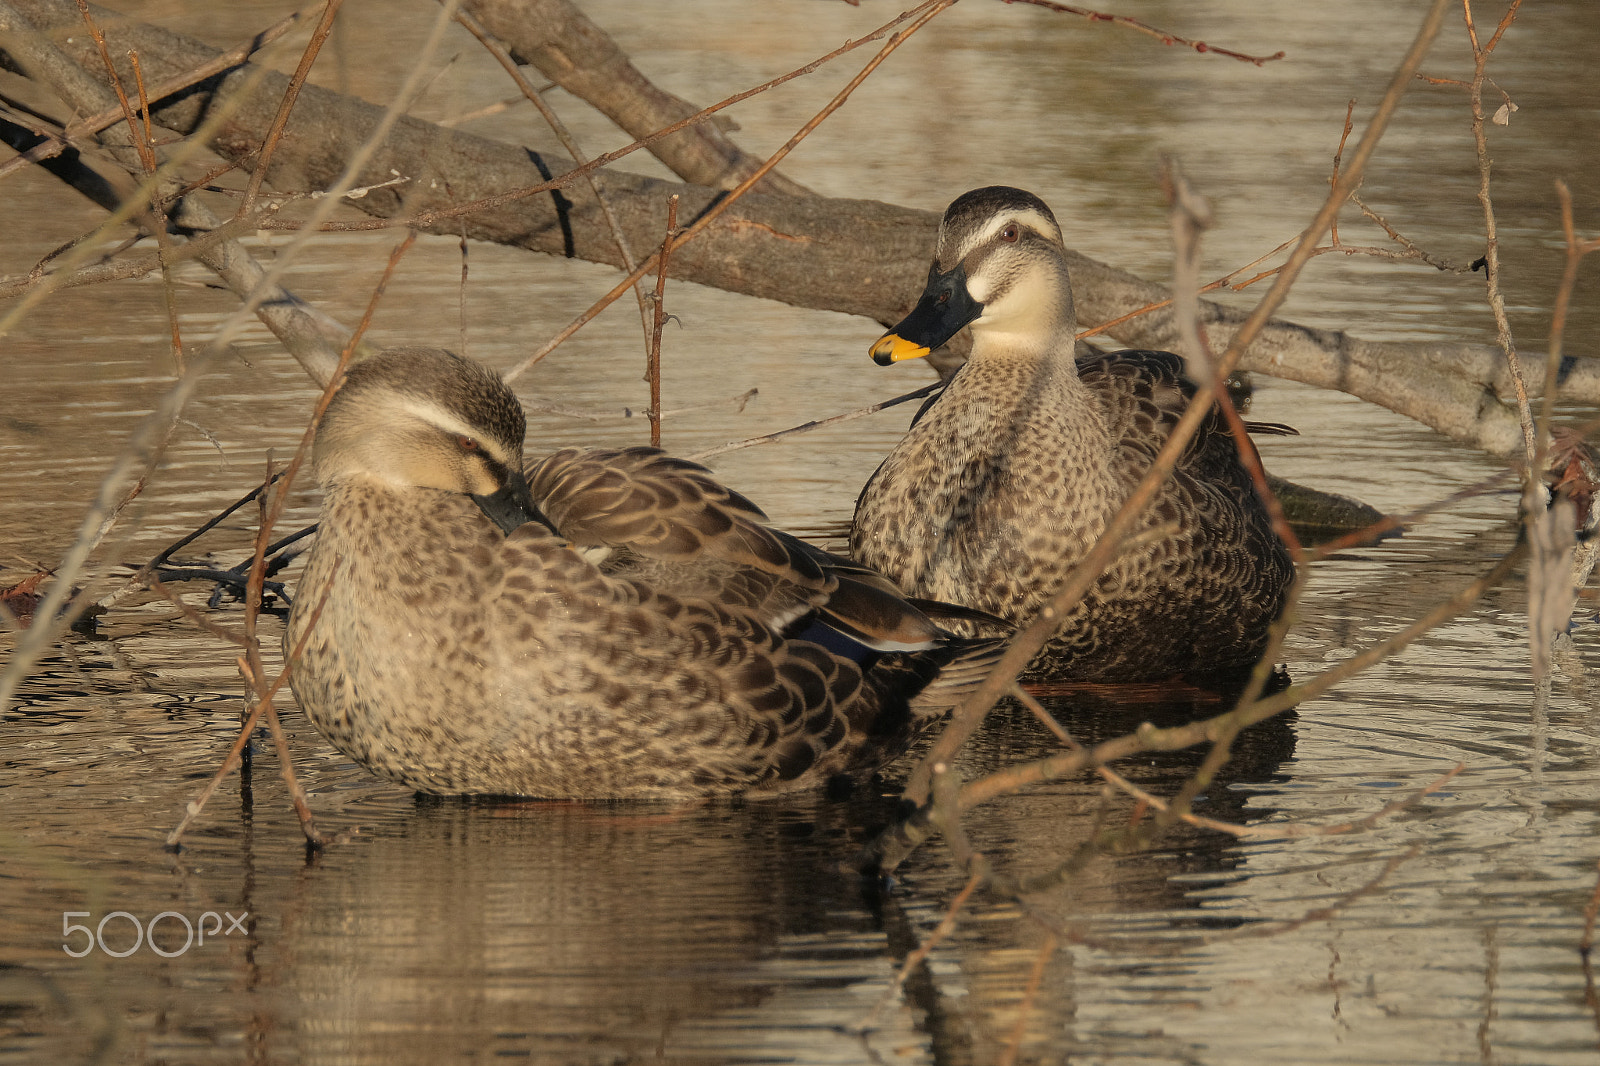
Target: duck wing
x=1143 y=394
x=669 y=524
x=823 y=666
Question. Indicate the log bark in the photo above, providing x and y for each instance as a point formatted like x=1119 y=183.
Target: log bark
x=856 y=256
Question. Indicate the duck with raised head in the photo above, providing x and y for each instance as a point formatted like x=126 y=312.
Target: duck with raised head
x=601 y=625
x=1006 y=479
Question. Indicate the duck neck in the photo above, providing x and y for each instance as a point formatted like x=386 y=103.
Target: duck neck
x=1037 y=360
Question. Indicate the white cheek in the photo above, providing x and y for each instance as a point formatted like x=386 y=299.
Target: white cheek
x=980 y=289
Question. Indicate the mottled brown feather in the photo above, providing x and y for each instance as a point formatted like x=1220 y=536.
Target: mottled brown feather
x=452 y=657
x=1006 y=480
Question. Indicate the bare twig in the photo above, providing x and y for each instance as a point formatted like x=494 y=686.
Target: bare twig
x=1390 y=523
x=1026 y=643
x=158 y=222
x=652 y=372
x=807 y=427
x=1270 y=831
x=1190 y=215
x=905 y=836
x=1116 y=780
x=146 y=154
x=737 y=402
x=153 y=217
x=1491 y=254
x=269 y=144
x=923 y=14
x=1410 y=250
x=216 y=629
x=1575 y=251
x=272 y=506
x=570 y=49
x=1149 y=738
x=232 y=758
x=106 y=117
x=533 y=96
x=1145 y=28
x=424 y=219
x=132 y=206
x=144 y=452
x=1343 y=186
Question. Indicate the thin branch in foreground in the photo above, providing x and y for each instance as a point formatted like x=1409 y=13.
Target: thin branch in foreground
x=216 y=629
x=545 y=407
x=234 y=756
x=924 y=14
x=429 y=218
x=1149 y=738
x=110 y=116
x=1145 y=28
x=153 y=218
x=1228 y=280
x=1410 y=249
x=1575 y=251
x=1190 y=217
x=291 y=94
x=652 y=371
x=901 y=838
x=1116 y=780
x=160 y=220
x=132 y=206
x=1268 y=831
x=807 y=427
x=250 y=665
x=736 y=402
x=1027 y=642
x=532 y=94
x=1491 y=254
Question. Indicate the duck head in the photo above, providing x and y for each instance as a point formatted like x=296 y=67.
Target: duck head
x=1000 y=267
x=427 y=418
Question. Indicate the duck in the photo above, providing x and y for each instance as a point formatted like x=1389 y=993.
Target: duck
x=598 y=625
x=1006 y=478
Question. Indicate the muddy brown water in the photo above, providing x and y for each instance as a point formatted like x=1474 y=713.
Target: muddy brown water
x=439 y=931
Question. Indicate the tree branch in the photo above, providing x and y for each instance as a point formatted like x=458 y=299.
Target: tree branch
x=855 y=256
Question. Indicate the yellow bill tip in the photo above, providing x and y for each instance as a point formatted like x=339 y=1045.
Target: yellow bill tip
x=893 y=348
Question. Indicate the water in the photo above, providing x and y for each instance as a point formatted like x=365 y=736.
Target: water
x=443 y=931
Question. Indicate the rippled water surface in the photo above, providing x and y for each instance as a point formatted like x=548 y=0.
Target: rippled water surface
x=441 y=931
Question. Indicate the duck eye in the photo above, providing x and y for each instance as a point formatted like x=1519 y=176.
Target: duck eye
x=467 y=444
x=1009 y=234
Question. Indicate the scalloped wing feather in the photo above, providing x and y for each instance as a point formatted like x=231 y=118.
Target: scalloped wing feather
x=674 y=527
